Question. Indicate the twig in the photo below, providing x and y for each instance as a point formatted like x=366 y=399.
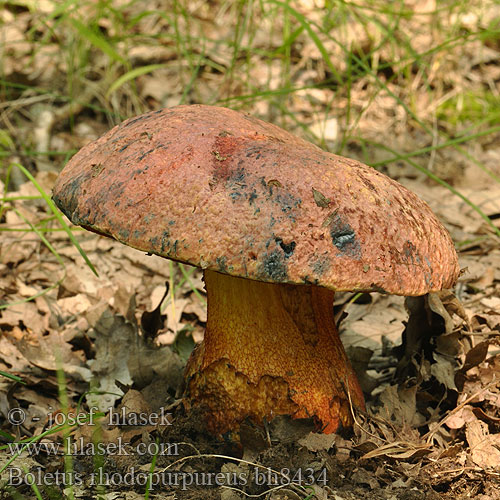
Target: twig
x=431 y=433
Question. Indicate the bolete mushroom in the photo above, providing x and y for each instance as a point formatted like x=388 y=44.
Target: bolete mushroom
x=278 y=225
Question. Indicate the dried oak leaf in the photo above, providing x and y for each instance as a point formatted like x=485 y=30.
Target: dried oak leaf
x=484 y=447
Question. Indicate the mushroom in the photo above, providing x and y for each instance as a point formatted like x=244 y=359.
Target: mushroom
x=278 y=225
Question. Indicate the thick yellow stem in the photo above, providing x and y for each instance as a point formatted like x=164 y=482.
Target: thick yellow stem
x=270 y=349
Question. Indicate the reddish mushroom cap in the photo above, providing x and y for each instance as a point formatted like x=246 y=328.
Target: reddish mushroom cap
x=224 y=191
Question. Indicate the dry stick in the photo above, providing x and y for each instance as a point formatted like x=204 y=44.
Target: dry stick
x=477 y=299
x=249 y=495
x=431 y=433
x=373 y=418
x=377 y=419
x=49 y=118
x=354 y=416
x=191 y=446
x=463 y=469
x=213 y=455
x=226 y=457
x=15 y=104
x=435 y=138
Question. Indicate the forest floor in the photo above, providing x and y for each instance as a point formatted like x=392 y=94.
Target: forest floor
x=413 y=90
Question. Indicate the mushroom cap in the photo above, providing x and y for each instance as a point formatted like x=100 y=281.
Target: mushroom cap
x=221 y=190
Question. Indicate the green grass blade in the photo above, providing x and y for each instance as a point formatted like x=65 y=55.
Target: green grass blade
x=14 y=378
x=7 y=436
x=58 y=216
x=428 y=149
x=40 y=234
x=131 y=75
x=193 y=288
x=306 y=24
x=149 y=482
x=434 y=177
x=98 y=41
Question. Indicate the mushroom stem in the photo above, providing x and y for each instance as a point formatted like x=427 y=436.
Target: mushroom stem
x=268 y=350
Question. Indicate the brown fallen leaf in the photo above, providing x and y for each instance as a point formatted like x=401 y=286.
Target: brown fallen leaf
x=399 y=449
x=399 y=406
x=197 y=308
x=484 y=447
x=318 y=442
x=458 y=419
x=476 y=355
